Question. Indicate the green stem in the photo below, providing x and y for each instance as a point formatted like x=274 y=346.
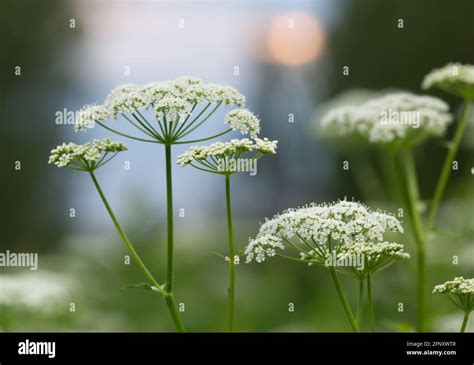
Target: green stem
x=409 y=194
x=464 y=322
x=343 y=299
x=230 y=313
x=169 y=210
x=340 y=292
x=371 y=304
x=173 y=309
x=359 y=301
x=170 y=302
x=448 y=163
x=205 y=139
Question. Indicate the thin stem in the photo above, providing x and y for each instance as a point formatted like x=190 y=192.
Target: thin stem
x=371 y=304
x=185 y=125
x=168 y=296
x=205 y=139
x=409 y=195
x=448 y=163
x=342 y=297
x=126 y=135
x=465 y=320
x=413 y=192
x=359 y=301
x=205 y=170
x=169 y=210
x=187 y=131
x=230 y=313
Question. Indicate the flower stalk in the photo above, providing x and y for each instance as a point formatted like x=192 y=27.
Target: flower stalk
x=371 y=304
x=169 y=220
x=230 y=311
x=448 y=163
x=360 y=297
x=221 y=158
x=169 y=299
x=460 y=292
x=465 y=320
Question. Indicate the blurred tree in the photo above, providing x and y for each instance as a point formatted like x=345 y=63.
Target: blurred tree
x=33 y=35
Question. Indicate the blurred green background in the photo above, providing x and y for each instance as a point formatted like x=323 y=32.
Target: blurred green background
x=82 y=258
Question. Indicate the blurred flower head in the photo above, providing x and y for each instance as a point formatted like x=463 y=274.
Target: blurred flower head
x=458 y=285
x=454 y=78
x=39 y=291
x=460 y=291
x=393 y=119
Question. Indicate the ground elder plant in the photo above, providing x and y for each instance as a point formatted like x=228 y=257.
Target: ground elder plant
x=89 y=157
x=167 y=113
x=227 y=158
x=460 y=291
x=345 y=237
x=398 y=123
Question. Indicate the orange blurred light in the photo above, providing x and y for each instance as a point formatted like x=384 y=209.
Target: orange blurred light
x=294 y=39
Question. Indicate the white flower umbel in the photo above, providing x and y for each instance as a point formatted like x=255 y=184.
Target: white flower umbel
x=314 y=226
x=89 y=157
x=165 y=113
x=393 y=119
x=457 y=286
x=85 y=157
x=88 y=115
x=461 y=292
x=454 y=78
x=262 y=247
x=181 y=106
x=244 y=121
x=221 y=157
x=343 y=236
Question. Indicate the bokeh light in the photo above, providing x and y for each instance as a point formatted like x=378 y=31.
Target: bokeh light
x=294 y=39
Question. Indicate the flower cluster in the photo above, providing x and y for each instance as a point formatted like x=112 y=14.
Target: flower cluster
x=89 y=114
x=261 y=247
x=397 y=117
x=213 y=154
x=454 y=78
x=243 y=120
x=173 y=107
x=323 y=227
x=176 y=98
x=458 y=286
x=87 y=156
